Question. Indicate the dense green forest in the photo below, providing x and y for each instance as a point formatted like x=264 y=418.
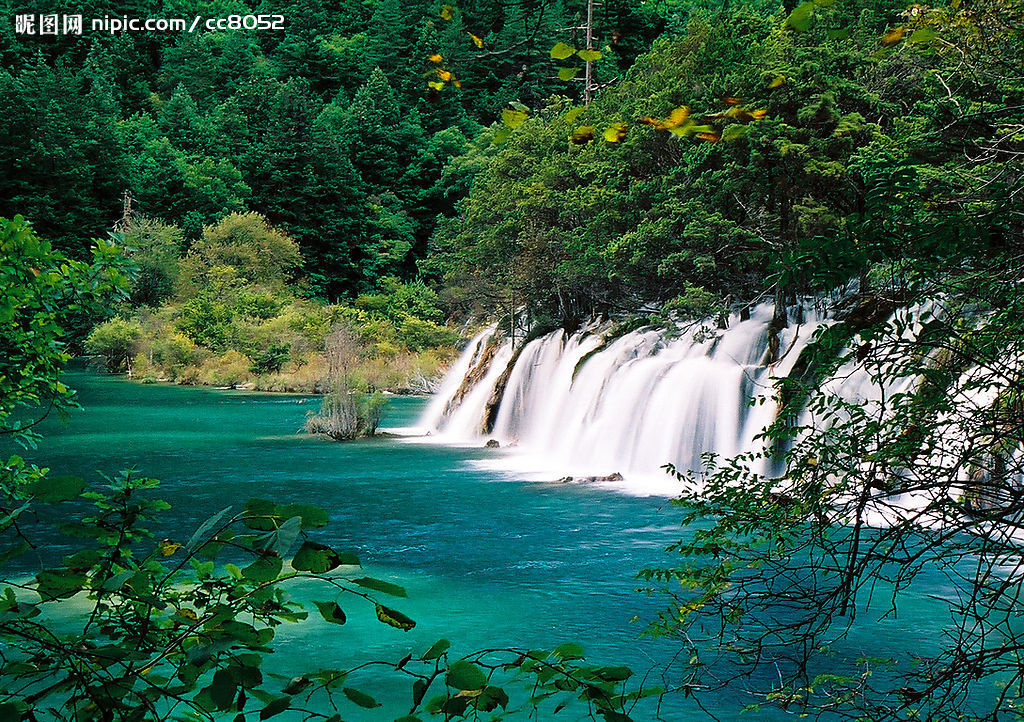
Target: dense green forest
x=221 y=204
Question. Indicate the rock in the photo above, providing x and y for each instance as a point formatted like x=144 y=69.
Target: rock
x=492 y=444
x=615 y=476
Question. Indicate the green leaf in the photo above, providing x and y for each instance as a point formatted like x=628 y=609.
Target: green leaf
x=297 y=684
x=276 y=707
x=10 y=516
x=13 y=553
x=331 y=612
x=501 y=134
x=801 y=17
x=205 y=527
x=316 y=558
x=381 y=586
x=436 y=649
x=419 y=688
x=567 y=73
x=282 y=539
x=513 y=118
x=261 y=514
x=922 y=35
x=734 y=132
x=394 y=618
x=222 y=690
x=59 y=583
x=465 y=676
x=569 y=650
x=590 y=55
x=264 y=569
x=573 y=114
x=56 y=488
x=614 y=674
x=561 y=51
x=112 y=584
x=360 y=698
x=313 y=517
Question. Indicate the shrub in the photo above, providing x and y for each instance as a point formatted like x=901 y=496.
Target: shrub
x=115 y=341
x=261 y=304
x=174 y=351
x=206 y=321
x=270 y=359
x=417 y=334
x=229 y=369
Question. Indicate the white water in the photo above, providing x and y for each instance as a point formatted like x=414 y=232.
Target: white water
x=572 y=407
x=576 y=406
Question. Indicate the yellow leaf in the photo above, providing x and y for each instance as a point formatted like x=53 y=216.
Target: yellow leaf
x=477 y=41
x=447 y=12
x=684 y=130
x=567 y=74
x=759 y=114
x=893 y=36
x=713 y=137
x=444 y=75
x=583 y=134
x=615 y=132
x=457 y=83
x=590 y=55
x=731 y=101
x=168 y=547
x=188 y=614
x=561 y=51
x=573 y=114
x=435 y=85
x=779 y=80
x=436 y=58
x=677 y=117
x=513 y=118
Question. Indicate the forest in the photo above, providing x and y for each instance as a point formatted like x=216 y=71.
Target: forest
x=335 y=207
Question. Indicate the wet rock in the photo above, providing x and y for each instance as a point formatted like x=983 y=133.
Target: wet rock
x=616 y=476
x=492 y=444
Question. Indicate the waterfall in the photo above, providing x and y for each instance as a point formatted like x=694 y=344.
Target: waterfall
x=589 y=404
x=574 y=405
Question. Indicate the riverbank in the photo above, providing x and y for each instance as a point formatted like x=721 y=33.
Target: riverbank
x=405 y=374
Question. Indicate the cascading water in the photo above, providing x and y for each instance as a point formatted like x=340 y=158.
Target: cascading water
x=573 y=405
x=577 y=405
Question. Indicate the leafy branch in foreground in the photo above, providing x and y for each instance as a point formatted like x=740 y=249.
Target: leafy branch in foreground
x=126 y=627
x=902 y=489
x=100 y=620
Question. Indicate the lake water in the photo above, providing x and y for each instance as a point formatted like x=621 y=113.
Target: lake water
x=488 y=560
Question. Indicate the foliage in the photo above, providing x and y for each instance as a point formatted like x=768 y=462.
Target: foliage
x=905 y=488
x=112 y=624
x=114 y=341
x=233 y=318
x=900 y=486
x=181 y=627
x=347 y=411
x=40 y=292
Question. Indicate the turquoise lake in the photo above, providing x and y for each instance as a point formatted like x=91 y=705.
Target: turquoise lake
x=488 y=560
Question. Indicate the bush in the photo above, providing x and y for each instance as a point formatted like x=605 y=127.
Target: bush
x=346 y=415
x=229 y=369
x=417 y=334
x=206 y=321
x=245 y=241
x=262 y=305
x=115 y=341
x=174 y=351
x=270 y=359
